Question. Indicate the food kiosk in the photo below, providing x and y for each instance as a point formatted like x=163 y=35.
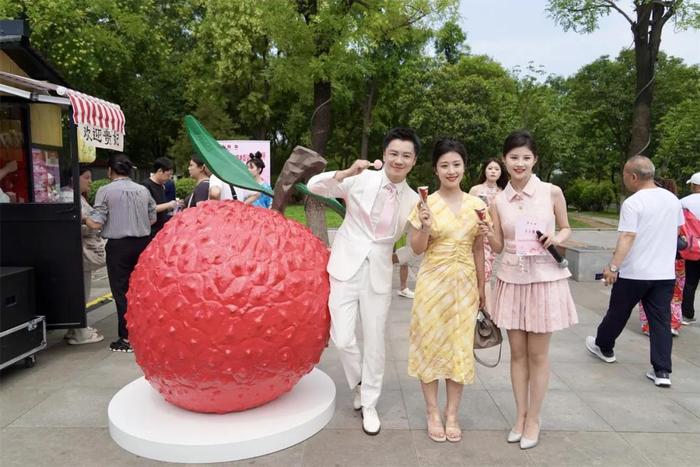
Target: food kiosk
x=46 y=129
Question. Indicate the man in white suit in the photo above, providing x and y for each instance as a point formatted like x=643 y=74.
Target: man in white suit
x=378 y=204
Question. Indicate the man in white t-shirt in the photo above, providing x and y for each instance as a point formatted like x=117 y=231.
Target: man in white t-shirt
x=692 y=268
x=642 y=268
x=219 y=189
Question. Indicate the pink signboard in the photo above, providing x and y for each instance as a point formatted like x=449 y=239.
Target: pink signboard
x=242 y=149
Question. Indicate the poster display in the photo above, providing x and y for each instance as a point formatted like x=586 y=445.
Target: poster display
x=242 y=149
x=47 y=176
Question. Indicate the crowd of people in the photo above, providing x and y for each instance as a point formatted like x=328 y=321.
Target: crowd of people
x=511 y=213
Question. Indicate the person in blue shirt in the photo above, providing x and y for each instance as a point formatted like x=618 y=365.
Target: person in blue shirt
x=256 y=165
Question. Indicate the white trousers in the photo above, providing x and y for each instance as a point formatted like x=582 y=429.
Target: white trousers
x=347 y=300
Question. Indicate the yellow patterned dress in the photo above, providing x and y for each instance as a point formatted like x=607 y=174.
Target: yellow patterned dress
x=447 y=297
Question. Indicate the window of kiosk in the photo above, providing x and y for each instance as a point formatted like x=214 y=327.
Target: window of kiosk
x=51 y=164
x=14 y=170
x=44 y=174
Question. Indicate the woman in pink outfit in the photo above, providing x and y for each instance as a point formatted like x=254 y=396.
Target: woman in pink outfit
x=492 y=181
x=532 y=297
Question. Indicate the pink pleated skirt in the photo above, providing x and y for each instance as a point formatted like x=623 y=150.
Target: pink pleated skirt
x=538 y=307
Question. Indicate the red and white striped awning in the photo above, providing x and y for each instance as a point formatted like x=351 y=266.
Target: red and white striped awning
x=101 y=124
x=96 y=112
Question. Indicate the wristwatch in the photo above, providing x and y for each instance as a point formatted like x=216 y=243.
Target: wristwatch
x=613 y=268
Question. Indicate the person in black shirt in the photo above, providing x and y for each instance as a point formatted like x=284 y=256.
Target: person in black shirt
x=162 y=172
x=170 y=194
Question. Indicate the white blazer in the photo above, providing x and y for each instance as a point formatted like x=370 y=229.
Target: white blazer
x=354 y=242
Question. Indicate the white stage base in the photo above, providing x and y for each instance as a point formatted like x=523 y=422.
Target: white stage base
x=143 y=423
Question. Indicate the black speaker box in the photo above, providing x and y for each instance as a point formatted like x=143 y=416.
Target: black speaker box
x=17 y=297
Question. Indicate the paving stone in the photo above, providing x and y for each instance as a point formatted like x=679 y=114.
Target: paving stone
x=477 y=410
x=584 y=448
x=476 y=448
x=665 y=449
x=562 y=411
x=642 y=412
x=353 y=448
x=70 y=407
x=69 y=447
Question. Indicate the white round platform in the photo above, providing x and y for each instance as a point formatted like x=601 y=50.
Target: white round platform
x=143 y=423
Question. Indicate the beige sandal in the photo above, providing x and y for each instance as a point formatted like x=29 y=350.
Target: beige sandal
x=453 y=432
x=437 y=435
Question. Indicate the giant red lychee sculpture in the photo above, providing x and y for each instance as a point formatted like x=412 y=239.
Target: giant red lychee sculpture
x=228 y=307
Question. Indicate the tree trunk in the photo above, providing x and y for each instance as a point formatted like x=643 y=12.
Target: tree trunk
x=651 y=18
x=321 y=121
x=320 y=132
x=367 y=109
x=641 y=111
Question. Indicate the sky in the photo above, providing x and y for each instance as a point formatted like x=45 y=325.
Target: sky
x=515 y=32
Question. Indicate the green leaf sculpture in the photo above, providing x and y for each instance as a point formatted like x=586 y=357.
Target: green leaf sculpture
x=330 y=202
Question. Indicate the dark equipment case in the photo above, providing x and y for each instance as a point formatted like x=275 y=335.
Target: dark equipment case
x=22 y=332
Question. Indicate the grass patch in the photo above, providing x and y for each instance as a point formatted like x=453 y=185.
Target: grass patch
x=296 y=212
x=577 y=224
x=605 y=214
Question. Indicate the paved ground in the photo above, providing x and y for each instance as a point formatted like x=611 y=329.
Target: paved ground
x=55 y=414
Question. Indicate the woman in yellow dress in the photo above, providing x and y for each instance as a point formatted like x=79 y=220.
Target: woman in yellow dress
x=449 y=289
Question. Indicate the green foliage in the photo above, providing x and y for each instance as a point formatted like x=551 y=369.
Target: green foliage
x=450 y=42
x=583 y=15
x=587 y=195
x=184 y=187
x=96 y=184
x=296 y=212
x=247 y=70
x=680 y=141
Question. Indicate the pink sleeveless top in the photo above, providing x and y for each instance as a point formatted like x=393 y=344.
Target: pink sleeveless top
x=535 y=203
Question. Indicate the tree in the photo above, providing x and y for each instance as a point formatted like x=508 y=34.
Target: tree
x=449 y=42
x=677 y=156
x=322 y=39
x=473 y=101
x=118 y=51
x=600 y=98
x=646 y=23
x=541 y=108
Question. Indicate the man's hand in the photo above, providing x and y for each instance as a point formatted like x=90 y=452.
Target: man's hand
x=609 y=277
x=357 y=167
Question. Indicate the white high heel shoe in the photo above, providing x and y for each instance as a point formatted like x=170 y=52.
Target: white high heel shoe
x=526 y=443
x=514 y=437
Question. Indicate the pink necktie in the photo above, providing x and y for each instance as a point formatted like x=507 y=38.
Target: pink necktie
x=385 y=224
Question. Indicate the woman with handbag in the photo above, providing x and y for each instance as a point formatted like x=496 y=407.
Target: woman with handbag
x=449 y=289
x=93 y=250
x=532 y=297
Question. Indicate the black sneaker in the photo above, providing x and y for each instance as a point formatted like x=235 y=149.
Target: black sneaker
x=687 y=321
x=121 y=345
x=660 y=378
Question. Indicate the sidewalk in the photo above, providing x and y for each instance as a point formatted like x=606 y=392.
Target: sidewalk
x=55 y=414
